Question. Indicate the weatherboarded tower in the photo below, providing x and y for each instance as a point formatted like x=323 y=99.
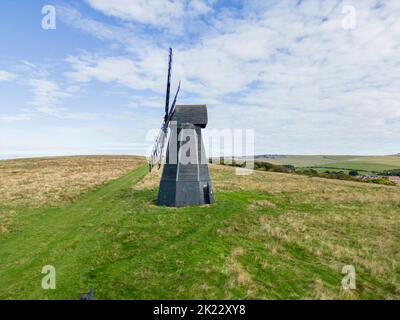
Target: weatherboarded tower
x=186 y=178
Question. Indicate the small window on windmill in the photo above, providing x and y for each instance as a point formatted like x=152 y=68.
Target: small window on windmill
x=206 y=192
x=188 y=151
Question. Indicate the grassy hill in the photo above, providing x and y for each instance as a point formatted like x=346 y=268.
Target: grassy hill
x=363 y=164
x=268 y=236
x=305 y=161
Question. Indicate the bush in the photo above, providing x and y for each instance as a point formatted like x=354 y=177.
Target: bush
x=353 y=173
x=260 y=165
x=283 y=168
x=384 y=181
x=394 y=172
x=307 y=172
x=340 y=175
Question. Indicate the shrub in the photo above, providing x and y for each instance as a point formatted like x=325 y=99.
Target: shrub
x=340 y=175
x=353 y=173
x=307 y=172
x=394 y=172
x=261 y=165
x=382 y=180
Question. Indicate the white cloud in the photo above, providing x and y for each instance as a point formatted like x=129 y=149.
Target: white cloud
x=101 y=30
x=85 y=116
x=6 y=76
x=153 y=12
x=116 y=69
x=199 y=7
x=290 y=71
x=46 y=96
x=14 y=118
x=146 y=102
x=29 y=64
x=289 y=63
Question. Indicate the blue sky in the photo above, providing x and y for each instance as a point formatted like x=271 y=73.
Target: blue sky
x=310 y=77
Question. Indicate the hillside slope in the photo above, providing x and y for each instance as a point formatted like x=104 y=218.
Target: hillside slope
x=364 y=164
x=269 y=236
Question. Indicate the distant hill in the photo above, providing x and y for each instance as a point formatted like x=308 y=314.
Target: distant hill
x=366 y=164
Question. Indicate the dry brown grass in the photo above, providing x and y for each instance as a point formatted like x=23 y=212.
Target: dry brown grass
x=262 y=204
x=150 y=181
x=240 y=276
x=316 y=189
x=34 y=182
x=287 y=231
x=346 y=223
x=6 y=218
x=224 y=179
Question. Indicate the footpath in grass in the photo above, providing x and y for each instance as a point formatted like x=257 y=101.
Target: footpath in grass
x=118 y=241
x=114 y=239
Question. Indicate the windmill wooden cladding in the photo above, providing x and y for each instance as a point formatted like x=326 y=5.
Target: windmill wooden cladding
x=183 y=182
x=194 y=114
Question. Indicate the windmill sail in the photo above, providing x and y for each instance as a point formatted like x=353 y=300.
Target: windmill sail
x=172 y=110
x=168 y=84
x=156 y=155
x=158 y=148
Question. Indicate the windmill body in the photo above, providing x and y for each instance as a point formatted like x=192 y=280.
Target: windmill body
x=186 y=178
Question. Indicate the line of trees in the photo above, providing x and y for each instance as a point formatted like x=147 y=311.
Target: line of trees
x=394 y=172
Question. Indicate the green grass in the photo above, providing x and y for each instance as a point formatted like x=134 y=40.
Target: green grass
x=362 y=167
x=363 y=164
x=307 y=161
x=117 y=240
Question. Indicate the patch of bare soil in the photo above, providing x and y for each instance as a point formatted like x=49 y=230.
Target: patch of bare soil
x=396 y=180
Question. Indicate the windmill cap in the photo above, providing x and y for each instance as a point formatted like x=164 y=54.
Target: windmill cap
x=195 y=114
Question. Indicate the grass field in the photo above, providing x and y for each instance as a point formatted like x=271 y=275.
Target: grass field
x=364 y=164
x=268 y=236
x=35 y=182
x=307 y=161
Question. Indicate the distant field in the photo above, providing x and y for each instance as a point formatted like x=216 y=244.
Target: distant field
x=365 y=164
x=306 y=161
x=268 y=236
x=359 y=166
